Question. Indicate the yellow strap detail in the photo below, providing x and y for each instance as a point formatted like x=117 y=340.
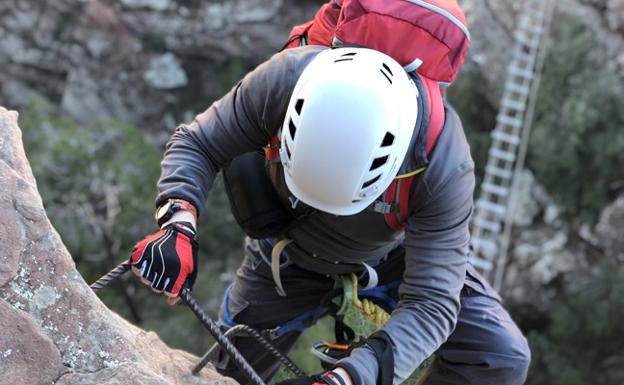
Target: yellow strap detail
x=403 y=176
x=369 y=309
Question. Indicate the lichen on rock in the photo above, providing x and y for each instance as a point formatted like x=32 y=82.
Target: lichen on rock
x=54 y=328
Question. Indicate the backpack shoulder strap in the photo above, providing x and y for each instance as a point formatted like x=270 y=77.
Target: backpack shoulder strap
x=396 y=197
x=272 y=149
x=436 y=112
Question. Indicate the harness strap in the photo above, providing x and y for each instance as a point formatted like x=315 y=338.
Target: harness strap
x=373 y=277
x=299 y=323
x=275 y=264
x=227 y=318
x=381 y=292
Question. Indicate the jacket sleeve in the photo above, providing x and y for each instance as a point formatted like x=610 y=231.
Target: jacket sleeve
x=241 y=121
x=436 y=246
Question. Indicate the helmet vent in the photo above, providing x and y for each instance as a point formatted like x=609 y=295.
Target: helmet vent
x=292 y=129
x=387 y=68
x=370 y=181
x=378 y=162
x=386 y=75
x=346 y=57
x=299 y=106
x=387 y=140
x=287 y=150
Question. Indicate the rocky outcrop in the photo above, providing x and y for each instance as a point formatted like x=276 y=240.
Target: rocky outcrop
x=610 y=229
x=155 y=63
x=492 y=27
x=152 y=63
x=548 y=256
x=54 y=329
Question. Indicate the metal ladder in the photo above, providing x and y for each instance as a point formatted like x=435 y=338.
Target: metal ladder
x=491 y=226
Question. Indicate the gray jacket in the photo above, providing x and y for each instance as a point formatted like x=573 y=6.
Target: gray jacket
x=436 y=237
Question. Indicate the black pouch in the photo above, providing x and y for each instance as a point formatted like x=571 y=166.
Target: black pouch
x=253 y=199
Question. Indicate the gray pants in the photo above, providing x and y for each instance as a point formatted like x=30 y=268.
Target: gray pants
x=486 y=347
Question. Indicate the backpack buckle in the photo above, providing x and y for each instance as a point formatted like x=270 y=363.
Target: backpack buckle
x=383 y=207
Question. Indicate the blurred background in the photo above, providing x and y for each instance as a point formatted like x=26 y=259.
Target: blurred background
x=101 y=84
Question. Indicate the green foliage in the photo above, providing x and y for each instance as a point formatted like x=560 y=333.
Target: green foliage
x=471 y=96
x=584 y=343
x=98 y=184
x=577 y=146
x=96 y=181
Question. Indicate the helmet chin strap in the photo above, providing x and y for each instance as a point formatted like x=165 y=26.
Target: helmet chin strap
x=294 y=201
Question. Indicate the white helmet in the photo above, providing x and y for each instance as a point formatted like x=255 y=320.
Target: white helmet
x=347 y=129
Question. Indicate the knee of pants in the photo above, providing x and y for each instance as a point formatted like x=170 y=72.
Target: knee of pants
x=515 y=356
x=525 y=355
x=522 y=358
x=489 y=342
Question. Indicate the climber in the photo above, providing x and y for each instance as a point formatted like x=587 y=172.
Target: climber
x=349 y=121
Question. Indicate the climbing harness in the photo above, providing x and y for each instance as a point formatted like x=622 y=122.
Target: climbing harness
x=357 y=315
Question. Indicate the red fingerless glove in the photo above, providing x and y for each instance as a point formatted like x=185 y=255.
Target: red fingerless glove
x=168 y=257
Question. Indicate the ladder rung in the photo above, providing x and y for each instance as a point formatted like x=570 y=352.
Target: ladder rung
x=508 y=120
x=532 y=28
x=495 y=208
x=535 y=14
x=516 y=88
x=499 y=172
x=520 y=72
x=527 y=41
x=480 y=263
x=494 y=189
x=504 y=155
x=494 y=227
x=484 y=246
x=513 y=104
x=528 y=59
x=535 y=29
x=504 y=137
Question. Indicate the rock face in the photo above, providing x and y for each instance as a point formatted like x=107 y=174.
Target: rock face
x=54 y=328
x=548 y=255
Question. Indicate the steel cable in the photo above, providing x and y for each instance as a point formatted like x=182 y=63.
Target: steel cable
x=261 y=340
x=187 y=298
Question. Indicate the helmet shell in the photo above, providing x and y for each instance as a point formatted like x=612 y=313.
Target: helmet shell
x=347 y=129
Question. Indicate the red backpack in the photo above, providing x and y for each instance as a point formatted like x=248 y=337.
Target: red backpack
x=429 y=36
x=438 y=41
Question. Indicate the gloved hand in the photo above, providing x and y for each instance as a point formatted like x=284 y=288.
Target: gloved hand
x=327 y=378
x=167 y=258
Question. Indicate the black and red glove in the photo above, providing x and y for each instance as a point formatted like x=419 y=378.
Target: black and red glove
x=327 y=378
x=167 y=258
